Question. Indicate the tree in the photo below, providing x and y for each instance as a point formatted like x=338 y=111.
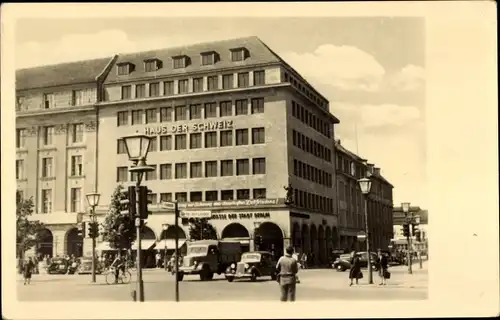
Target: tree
x=201 y=229
x=27 y=231
x=118 y=229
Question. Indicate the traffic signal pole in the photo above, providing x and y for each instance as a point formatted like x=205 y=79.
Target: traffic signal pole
x=176 y=209
x=140 y=283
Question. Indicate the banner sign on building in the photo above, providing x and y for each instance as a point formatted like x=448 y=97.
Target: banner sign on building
x=238 y=216
x=196 y=214
x=233 y=203
x=184 y=128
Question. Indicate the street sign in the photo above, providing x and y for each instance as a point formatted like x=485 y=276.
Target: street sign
x=361 y=236
x=167 y=205
x=196 y=214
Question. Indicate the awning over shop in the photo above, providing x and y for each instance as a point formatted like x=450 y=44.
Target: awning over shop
x=104 y=246
x=240 y=240
x=146 y=244
x=169 y=243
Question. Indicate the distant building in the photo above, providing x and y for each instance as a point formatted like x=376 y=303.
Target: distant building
x=398 y=218
x=350 y=205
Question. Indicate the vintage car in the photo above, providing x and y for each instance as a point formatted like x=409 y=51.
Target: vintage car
x=343 y=262
x=58 y=266
x=85 y=266
x=252 y=265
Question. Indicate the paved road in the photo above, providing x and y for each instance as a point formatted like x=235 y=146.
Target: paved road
x=316 y=285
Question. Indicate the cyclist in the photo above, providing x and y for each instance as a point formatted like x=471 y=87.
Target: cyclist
x=118 y=264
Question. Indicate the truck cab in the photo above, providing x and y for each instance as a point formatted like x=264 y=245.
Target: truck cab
x=206 y=257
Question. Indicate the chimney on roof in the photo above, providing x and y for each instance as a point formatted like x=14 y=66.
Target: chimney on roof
x=338 y=141
x=376 y=171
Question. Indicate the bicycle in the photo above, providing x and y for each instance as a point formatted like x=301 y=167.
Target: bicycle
x=123 y=277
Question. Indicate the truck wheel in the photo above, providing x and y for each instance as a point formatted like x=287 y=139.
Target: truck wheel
x=210 y=275
x=230 y=279
x=253 y=278
x=180 y=276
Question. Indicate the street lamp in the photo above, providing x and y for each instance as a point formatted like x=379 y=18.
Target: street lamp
x=137 y=147
x=165 y=228
x=409 y=220
x=365 y=185
x=93 y=201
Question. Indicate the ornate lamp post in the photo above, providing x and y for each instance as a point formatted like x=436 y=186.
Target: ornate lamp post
x=256 y=226
x=93 y=201
x=137 y=147
x=365 y=185
x=165 y=228
x=409 y=219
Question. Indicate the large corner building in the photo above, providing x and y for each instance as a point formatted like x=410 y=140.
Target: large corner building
x=232 y=125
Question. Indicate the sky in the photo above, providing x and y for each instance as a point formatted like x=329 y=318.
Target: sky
x=371 y=69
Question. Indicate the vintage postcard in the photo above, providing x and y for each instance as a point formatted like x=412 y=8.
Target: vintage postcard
x=218 y=160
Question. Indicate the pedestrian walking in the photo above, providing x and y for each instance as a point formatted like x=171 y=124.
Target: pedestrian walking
x=304 y=260
x=28 y=270
x=383 y=265
x=287 y=275
x=355 y=271
x=158 y=259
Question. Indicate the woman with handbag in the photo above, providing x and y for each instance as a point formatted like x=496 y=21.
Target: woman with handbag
x=383 y=264
x=355 y=272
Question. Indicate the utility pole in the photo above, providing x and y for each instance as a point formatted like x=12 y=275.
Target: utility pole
x=140 y=283
x=176 y=209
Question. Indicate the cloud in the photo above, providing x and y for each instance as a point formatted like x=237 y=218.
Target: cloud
x=345 y=67
x=409 y=78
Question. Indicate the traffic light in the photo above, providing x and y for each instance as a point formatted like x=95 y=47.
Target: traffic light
x=128 y=202
x=414 y=229
x=406 y=229
x=417 y=236
x=93 y=230
x=143 y=202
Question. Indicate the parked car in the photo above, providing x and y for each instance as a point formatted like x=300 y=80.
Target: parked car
x=58 y=266
x=251 y=266
x=343 y=262
x=85 y=266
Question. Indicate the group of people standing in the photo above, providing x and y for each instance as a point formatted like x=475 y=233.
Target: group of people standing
x=382 y=263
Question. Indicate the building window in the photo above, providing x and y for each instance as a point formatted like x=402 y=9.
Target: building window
x=243 y=79
x=241 y=107
x=168 y=87
x=122 y=118
x=242 y=167
x=210 y=139
x=165 y=171
x=241 y=137
x=196 y=196
x=76 y=199
x=226 y=168
x=259 y=166
x=46 y=200
x=48 y=134
x=243 y=194
x=227 y=81
x=198 y=85
x=137 y=117
x=49 y=100
x=153 y=198
x=181 y=196
x=213 y=83
x=210 y=110
x=195 y=170
x=180 y=113
x=259 y=193
x=151 y=175
x=227 y=195
x=183 y=86
x=257 y=105
x=19 y=169
x=77 y=98
x=210 y=169
x=126 y=92
x=226 y=138
x=166 y=197
x=154 y=89
x=123 y=69
x=207 y=59
x=153 y=144
x=179 y=62
x=120 y=147
x=121 y=174
x=77 y=132
x=238 y=55
x=195 y=141
x=166 y=114
x=20 y=138
x=151 y=115
x=180 y=142
x=195 y=111
x=165 y=143
x=76 y=166
x=259 y=78
x=180 y=170
x=140 y=90
x=258 y=135
x=211 y=195
x=226 y=108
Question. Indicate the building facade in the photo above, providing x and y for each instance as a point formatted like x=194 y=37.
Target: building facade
x=399 y=219
x=350 y=167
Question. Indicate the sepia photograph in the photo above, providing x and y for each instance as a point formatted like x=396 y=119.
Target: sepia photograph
x=222 y=159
